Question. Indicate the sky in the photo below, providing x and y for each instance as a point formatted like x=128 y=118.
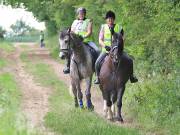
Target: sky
x=9 y=16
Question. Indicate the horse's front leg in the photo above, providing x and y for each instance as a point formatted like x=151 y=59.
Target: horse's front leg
x=114 y=99
x=88 y=93
x=105 y=109
x=74 y=90
x=109 y=104
x=119 y=103
x=80 y=95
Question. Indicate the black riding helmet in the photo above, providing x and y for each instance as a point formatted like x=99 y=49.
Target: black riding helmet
x=110 y=14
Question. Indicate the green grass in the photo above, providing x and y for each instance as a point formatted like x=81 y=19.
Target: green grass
x=2 y=63
x=53 y=45
x=63 y=117
x=155 y=104
x=12 y=121
x=6 y=46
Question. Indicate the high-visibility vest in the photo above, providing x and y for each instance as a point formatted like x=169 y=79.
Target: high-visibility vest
x=82 y=30
x=108 y=36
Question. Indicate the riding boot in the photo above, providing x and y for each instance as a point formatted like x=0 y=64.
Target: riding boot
x=133 y=79
x=98 y=65
x=66 y=70
x=97 y=80
x=97 y=70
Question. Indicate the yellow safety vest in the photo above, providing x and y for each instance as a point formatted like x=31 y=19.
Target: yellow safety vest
x=83 y=30
x=107 y=34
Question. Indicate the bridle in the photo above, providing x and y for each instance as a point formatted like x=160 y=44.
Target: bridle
x=111 y=52
x=68 y=49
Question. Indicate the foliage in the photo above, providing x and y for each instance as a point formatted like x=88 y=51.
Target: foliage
x=20 y=28
x=155 y=103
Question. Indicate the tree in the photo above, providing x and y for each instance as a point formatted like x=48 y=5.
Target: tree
x=20 y=28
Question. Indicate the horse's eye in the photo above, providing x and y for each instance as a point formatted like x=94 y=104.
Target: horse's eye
x=66 y=41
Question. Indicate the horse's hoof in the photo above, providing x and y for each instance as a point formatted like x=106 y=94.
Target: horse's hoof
x=90 y=108
x=81 y=106
x=110 y=119
x=120 y=119
x=105 y=115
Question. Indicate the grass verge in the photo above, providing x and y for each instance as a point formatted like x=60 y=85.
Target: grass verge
x=2 y=63
x=6 y=46
x=12 y=121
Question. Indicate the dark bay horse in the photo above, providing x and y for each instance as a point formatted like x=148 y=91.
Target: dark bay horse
x=114 y=74
x=81 y=66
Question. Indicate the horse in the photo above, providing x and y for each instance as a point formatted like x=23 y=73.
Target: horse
x=81 y=65
x=115 y=72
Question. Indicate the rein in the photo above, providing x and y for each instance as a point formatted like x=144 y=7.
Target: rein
x=69 y=49
x=115 y=69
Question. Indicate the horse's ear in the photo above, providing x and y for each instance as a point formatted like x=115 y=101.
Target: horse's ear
x=69 y=30
x=121 y=32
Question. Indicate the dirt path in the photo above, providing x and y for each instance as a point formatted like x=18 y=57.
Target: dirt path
x=34 y=97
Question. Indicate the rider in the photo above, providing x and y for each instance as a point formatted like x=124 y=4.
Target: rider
x=105 y=39
x=83 y=27
x=41 y=38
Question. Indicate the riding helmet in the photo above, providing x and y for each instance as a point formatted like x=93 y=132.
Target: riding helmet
x=110 y=14
x=81 y=9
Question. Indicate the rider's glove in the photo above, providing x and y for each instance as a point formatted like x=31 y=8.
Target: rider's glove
x=108 y=48
x=84 y=36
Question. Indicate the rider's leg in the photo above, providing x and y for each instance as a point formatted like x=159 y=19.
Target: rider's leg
x=98 y=66
x=93 y=45
x=132 y=77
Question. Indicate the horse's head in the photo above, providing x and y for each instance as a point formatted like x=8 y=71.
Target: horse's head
x=64 y=43
x=117 y=47
x=68 y=39
x=64 y=40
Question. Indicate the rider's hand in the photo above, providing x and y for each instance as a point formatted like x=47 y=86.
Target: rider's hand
x=108 y=48
x=84 y=36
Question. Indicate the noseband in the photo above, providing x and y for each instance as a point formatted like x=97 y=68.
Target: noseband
x=112 y=50
x=112 y=57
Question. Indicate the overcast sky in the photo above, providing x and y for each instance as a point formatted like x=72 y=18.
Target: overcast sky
x=9 y=16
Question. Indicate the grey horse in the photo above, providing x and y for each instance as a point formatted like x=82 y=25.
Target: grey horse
x=81 y=65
